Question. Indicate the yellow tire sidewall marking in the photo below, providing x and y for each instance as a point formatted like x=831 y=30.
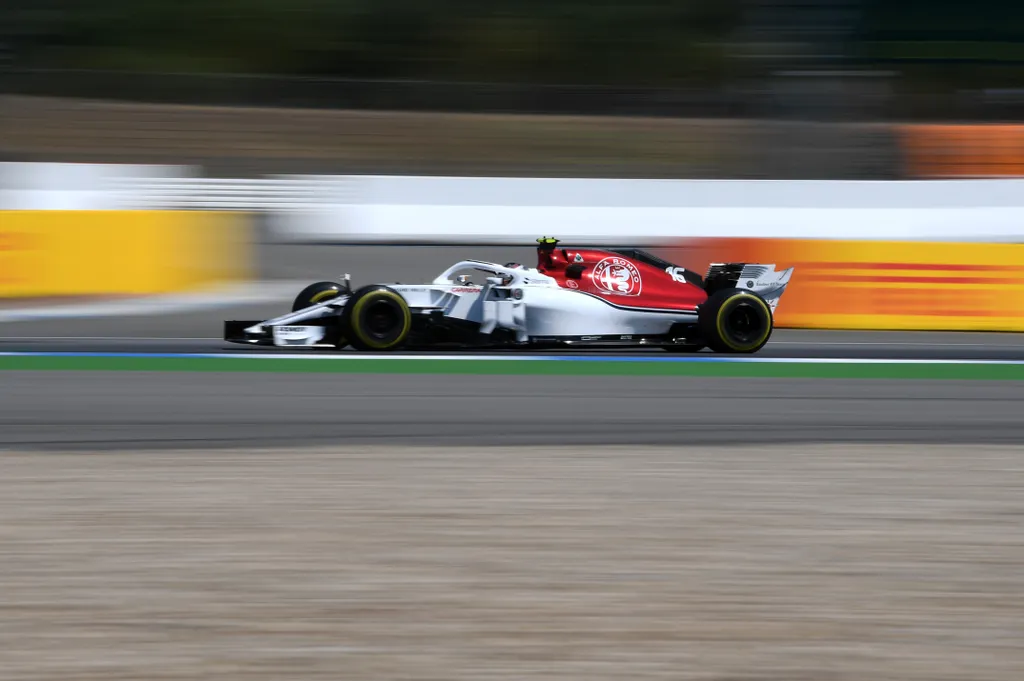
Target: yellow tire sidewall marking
x=406 y=318
x=721 y=311
x=323 y=295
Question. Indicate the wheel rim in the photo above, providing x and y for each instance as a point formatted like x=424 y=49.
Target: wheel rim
x=381 y=318
x=744 y=324
x=383 y=321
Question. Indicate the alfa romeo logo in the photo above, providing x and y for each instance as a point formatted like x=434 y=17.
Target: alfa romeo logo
x=619 y=276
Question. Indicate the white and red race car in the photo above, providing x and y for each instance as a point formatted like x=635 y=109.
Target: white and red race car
x=572 y=298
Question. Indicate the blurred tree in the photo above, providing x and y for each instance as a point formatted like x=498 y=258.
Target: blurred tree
x=945 y=45
x=602 y=41
x=621 y=42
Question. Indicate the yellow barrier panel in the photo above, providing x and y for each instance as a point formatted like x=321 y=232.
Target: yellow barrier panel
x=883 y=284
x=110 y=253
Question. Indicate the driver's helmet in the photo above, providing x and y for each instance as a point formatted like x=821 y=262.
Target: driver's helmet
x=507 y=279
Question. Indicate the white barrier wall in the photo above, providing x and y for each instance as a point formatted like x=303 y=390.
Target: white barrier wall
x=75 y=186
x=396 y=209
x=502 y=210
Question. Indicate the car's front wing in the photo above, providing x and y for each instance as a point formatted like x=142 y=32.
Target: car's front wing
x=326 y=333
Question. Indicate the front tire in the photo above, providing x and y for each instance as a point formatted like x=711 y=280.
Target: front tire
x=735 y=321
x=317 y=293
x=377 y=318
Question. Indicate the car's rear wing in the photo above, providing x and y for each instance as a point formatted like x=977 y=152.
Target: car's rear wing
x=762 y=279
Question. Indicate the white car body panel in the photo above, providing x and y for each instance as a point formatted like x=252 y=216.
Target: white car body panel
x=523 y=300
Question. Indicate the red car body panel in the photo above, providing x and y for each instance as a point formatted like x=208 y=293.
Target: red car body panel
x=625 y=278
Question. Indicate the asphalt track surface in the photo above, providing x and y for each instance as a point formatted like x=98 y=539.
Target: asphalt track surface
x=59 y=410
x=118 y=410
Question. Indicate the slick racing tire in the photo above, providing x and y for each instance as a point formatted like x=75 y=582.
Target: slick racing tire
x=318 y=293
x=735 y=321
x=376 y=318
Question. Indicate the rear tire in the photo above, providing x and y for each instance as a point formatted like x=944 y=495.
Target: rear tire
x=376 y=318
x=735 y=321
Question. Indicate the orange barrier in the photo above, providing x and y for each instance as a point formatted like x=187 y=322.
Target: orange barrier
x=882 y=284
x=111 y=253
x=933 y=151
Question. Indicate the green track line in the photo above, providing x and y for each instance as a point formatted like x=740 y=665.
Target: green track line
x=794 y=369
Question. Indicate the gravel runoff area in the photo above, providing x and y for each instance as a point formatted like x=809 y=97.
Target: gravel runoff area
x=816 y=563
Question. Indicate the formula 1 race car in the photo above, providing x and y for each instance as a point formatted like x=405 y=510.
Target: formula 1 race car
x=573 y=298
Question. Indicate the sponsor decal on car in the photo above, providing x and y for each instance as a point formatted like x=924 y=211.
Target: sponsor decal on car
x=298 y=335
x=678 y=274
x=618 y=276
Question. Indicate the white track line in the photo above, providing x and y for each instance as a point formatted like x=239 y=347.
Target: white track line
x=513 y=358
x=898 y=343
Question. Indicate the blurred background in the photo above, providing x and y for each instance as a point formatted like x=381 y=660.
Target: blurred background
x=336 y=122
x=816 y=89
x=213 y=157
